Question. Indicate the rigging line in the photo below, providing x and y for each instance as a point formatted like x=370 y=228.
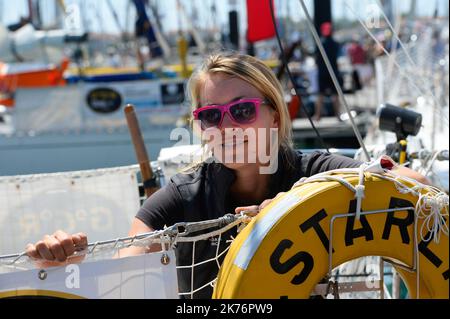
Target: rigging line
x=395 y=34
x=179 y=22
x=291 y=78
x=115 y=16
x=403 y=73
x=333 y=77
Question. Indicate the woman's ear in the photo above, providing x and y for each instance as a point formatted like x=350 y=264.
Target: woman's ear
x=276 y=119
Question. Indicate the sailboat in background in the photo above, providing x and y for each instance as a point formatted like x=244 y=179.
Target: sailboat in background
x=67 y=117
x=95 y=134
x=421 y=86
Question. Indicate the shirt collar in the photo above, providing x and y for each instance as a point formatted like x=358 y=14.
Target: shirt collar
x=223 y=178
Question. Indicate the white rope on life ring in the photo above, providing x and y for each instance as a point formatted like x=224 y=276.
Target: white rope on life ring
x=285 y=250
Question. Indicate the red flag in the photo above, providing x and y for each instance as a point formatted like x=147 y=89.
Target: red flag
x=259 y=21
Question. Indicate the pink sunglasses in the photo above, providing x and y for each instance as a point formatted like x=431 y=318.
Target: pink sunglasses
x=244 y=111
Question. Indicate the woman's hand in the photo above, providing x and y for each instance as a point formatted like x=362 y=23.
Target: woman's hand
x=255 y=209
x=57 y=249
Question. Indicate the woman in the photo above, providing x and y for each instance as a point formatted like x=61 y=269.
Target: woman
x=229 y=93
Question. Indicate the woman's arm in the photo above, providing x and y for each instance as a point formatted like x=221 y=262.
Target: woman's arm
x=137 y=227
x=162 y=208
x=407 y=172
x=333 y=162
x=59 y=249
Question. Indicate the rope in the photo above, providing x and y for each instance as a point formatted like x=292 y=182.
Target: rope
x=433 y=160
x=432 y=206
x=433 y=209
x=359 y=190
x=170 y=236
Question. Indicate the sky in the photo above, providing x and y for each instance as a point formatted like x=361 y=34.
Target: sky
x=100 y=19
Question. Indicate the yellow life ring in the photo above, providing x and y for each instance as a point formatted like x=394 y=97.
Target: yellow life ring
x=283 y=252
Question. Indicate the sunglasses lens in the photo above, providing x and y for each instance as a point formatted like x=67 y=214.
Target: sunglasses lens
x=244 y=112
x=210 y=118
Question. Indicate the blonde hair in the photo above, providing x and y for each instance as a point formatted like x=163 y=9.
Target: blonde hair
x=257 y=74
x=252 y=71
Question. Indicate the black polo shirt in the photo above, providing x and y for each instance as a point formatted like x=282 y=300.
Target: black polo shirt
x=204 y=195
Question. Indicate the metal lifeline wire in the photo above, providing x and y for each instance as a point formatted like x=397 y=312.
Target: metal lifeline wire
x=431 y=206
x=71 y=175
x=168 y=237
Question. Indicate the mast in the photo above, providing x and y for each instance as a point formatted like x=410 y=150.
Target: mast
x=194 y=15
x=191 y=27
x=83 y=12
x=127 y=18
x=149 y=31
x=388 y=9
x=34 y=14
x=286 y=23
x=97 y=9
x=213 y=16
x=215 y=30
x=1 y=12
x=412 y=10
x=38 y=17
x=154 y=7
x=436 y=10
x=344 y=11
x=447 y=11
x=160 y=38
x=233 y=25
x=30 y=10
x=322 y=13
x=116 y=17
x=59 y=9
